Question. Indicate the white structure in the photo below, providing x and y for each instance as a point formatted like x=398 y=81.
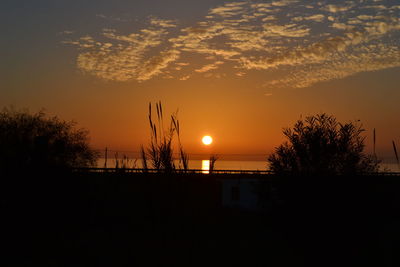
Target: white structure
x=247 y=194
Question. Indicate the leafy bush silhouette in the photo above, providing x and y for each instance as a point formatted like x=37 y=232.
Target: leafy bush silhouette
x=34 y=141
x=321 y=145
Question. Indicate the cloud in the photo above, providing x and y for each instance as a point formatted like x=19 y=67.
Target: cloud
x=268 y=18
x=195 y=39
x=156 y=64
x=184 y=78
x=162 y=22
x=377 y=7
x=337 y=8
x=209 y=67
x=288 y=30
x=246 y=39
x=316 y=18
x=321 y=51
x=365 y=17
x=66 y=32
x=111 y=18
x=314 y=43
x=282 y=3
x=228 y=10
x=368 y=58
x=126 y=59
x=342 y=26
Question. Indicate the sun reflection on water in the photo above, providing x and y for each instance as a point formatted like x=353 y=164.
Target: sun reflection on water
x=205 y=166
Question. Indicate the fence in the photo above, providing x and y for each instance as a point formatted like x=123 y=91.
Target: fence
x=199 y=171
x=179 y=171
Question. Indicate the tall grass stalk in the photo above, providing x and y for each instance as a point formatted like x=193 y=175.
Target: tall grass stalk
x=116 y=160
x=160 y=150
x=121 y=164
x=395 y=152
x=144 y=159
x=183 y=157
x=213 y=159
x=105 y=157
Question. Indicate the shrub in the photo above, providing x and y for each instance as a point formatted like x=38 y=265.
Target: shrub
x=35 y=141
x=321 y=145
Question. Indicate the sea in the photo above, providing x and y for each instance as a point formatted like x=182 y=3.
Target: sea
x=223 y=164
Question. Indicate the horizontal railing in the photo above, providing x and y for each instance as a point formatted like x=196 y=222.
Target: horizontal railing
x=190 y=171
x=199 y=171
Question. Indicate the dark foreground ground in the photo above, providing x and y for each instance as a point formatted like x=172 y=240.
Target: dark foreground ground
x=139 y=220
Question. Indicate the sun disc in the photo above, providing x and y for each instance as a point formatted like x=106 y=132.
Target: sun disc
x=207 y=140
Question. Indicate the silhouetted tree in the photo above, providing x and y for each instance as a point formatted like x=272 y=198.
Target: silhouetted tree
x=321 y=145
x=32 y=141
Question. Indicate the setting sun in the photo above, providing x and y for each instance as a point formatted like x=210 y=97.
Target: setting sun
x=207 y=140
x=174 y=128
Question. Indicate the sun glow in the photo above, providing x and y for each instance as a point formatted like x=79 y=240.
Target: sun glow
x=207 y=140
x=205 y=166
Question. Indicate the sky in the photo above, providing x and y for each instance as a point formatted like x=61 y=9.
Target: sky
x=239 y=71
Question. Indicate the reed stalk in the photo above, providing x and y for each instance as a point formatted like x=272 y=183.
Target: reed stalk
x=144 y=159
x=395 y=153
x=160 y=150
x=105 y=157
x=116 y=160
x=183 y=157
x=213 y=159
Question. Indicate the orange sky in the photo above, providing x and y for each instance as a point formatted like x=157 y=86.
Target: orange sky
x=238 y=71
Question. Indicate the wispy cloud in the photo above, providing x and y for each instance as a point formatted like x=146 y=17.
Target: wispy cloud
x=368 y=58
x=316 y=18
x=209 y=67
x=111 y=18
x=124 y=57
x=228 y=10
x=288 y=30
x=162 y=22
x=156 y=64
x=308 y=41
x=66 y=32
x=184 y=78
x=338 y=8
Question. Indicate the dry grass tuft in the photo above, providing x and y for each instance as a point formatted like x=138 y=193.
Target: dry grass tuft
x=160 y=151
